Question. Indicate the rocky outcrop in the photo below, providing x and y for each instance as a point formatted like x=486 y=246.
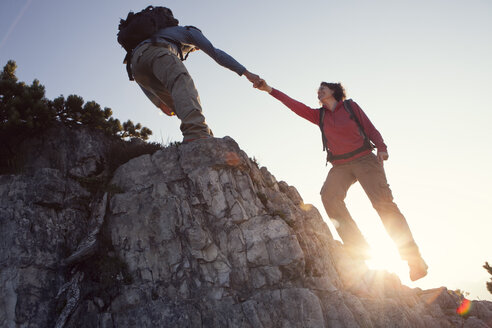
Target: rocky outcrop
x=193 y=235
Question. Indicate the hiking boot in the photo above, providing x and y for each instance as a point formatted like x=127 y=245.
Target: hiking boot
x=418 y=268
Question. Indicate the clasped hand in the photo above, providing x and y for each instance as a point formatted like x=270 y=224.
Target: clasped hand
x=258 y=82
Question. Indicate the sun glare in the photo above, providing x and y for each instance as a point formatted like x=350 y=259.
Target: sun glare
x=384 y=256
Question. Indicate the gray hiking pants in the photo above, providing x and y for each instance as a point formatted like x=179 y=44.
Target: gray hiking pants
x=162 y=73
x=370 y=174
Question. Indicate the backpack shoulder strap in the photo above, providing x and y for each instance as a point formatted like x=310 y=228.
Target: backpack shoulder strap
x=320 y=124
x=189 y=27
x=329 y=155
x=347 y=104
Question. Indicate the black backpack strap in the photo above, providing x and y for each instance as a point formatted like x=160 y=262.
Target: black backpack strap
x=347 y=104
x=348 y=107
x=128 y=61
x=329 y=154
x=188 y=27
x=320 y=124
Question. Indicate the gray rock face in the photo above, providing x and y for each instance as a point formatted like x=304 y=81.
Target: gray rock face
x=194 y=235
x=78 y=153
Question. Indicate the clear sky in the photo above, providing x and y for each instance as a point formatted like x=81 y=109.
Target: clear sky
x=420 y=69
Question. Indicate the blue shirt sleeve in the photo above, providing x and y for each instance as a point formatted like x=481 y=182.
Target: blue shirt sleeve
x=193 y=36
x=221 y=57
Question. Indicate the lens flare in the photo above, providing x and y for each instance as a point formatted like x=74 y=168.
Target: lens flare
x=464 y=307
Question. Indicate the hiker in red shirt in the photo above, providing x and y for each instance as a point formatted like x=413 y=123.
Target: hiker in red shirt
x=348 y=135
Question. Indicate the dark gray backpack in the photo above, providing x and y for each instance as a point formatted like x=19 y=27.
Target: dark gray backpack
x=141 y=26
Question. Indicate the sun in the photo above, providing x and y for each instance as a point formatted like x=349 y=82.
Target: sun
x=384 y=256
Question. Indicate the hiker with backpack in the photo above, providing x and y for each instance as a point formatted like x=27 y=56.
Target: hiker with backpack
x=348 y=136
x=156 y=46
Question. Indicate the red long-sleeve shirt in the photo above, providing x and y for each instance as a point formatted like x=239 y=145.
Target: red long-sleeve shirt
x=342 y=133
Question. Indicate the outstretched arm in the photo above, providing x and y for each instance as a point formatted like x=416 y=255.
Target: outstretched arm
x=196 y=37
x=201 y=42
x=296 y=106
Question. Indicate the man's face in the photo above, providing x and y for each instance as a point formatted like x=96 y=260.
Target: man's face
x=324 y=92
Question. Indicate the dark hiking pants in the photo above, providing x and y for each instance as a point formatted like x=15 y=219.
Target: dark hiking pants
x=161 y=72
